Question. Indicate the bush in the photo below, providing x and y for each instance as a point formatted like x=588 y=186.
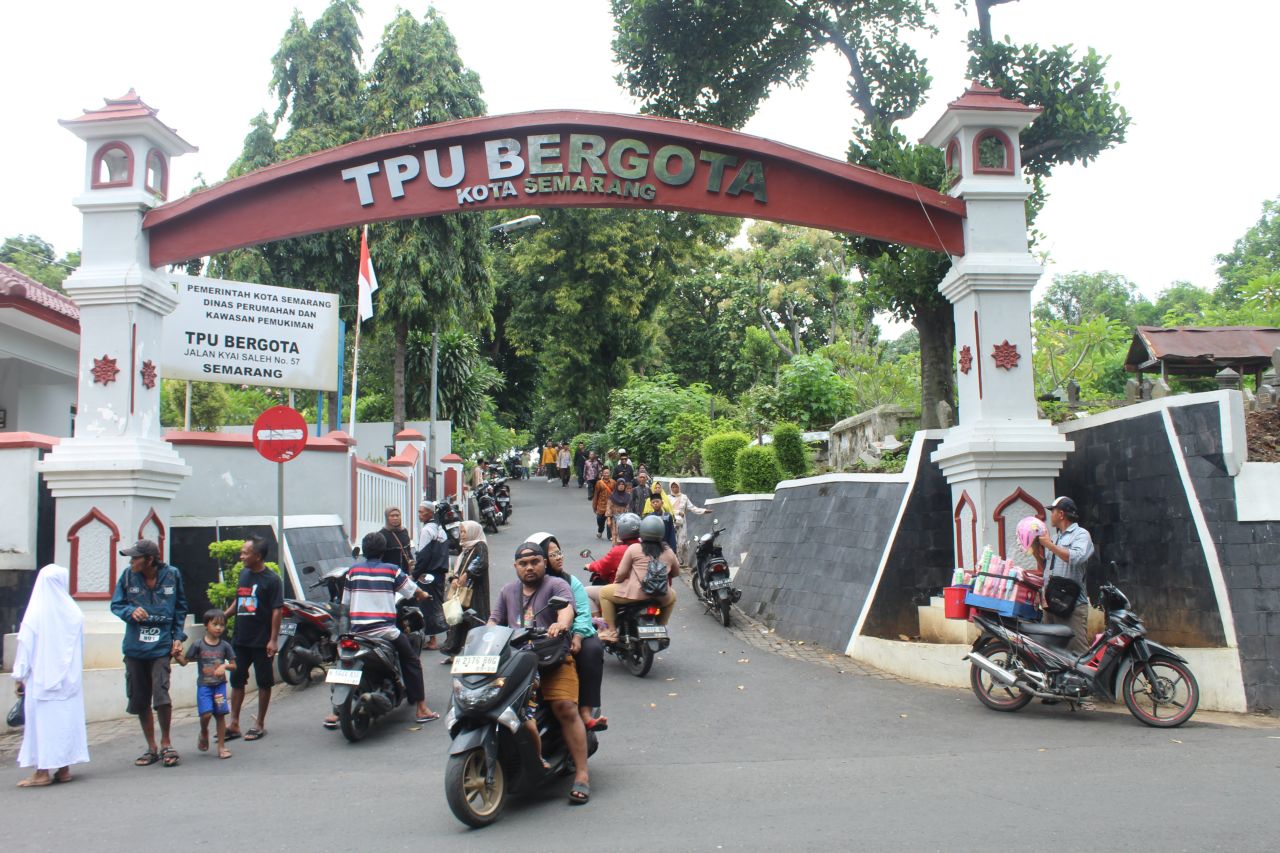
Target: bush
x=793 y=456
x=758 y=470
x=222 y=592
x=720 y=459
x=641 y=414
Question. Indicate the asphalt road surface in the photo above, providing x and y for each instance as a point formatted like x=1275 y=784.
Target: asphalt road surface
x=727 y=744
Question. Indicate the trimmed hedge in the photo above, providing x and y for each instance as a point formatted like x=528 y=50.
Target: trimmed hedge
x=758 y=470
x=720 y=459
x=793 y=456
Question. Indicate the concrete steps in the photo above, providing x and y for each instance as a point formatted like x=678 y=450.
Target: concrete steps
x=936 y=628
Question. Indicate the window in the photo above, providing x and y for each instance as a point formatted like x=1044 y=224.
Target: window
x=953 y=162
x=157 y=173
x=992 y=153
x=113 y=166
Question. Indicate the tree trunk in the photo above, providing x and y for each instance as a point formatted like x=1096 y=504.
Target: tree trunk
x=936 y=326
x=402 y=339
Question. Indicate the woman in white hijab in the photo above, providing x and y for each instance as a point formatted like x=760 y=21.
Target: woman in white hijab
x=49 y=668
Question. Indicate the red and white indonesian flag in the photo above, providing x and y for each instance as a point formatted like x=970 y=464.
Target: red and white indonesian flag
x=368 y=282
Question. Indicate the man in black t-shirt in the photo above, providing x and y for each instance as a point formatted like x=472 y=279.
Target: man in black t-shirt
x=258 y=607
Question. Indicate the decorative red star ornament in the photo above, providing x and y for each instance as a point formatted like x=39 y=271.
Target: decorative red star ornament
x=966 y=359
x=1006 y=355
x=148 y=374
x=105 y=370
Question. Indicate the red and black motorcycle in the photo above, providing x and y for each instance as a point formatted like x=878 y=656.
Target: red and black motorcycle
x=309 y=631
x=1014 y=662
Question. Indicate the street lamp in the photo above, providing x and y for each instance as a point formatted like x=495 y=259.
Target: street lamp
x=501 y=228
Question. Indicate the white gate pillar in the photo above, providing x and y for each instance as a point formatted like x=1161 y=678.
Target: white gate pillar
x=1002 y=458
x=113 y=480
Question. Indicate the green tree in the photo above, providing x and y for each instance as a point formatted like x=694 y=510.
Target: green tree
x=1090 y=352
x=466 y=381
x=1255 y=255
x=430 y=270
x=790 y=449
x=36 y=259
x=716 y=61
x=811 y=393
x=1078 y=296
x=642 y=414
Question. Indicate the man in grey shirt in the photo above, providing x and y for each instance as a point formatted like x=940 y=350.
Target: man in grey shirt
x=1067 y=554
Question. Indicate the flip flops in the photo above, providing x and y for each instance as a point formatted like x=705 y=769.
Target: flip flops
x=255 y=734
x=331 y=725
x=579 y=794
x=232 y=735
x=427 y=718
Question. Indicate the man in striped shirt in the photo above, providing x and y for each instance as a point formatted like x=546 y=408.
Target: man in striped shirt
x=370 y=596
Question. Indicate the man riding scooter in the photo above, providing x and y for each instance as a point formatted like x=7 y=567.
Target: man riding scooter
x=370 y=600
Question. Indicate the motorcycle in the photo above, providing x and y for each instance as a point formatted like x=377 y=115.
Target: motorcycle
x=367 y=681
x=502 y=495
x=640 y=637
x=493 y=755
x=490 y=514
x=710 y=577
x=309 y=631
x=450 y=518
x=1014 y=662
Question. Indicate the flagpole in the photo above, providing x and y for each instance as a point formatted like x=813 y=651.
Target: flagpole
x=355 y=375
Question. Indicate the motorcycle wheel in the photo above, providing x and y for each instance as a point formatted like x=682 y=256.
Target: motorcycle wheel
x=638 y=659
x=726 y=611
x=490 y=526
x=695 y=581
x=993 y=694
x=293 y=669
x=470 y=799
x=1174 y=690
x=354 y=726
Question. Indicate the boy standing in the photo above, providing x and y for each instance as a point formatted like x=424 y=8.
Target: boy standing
x=215 y=657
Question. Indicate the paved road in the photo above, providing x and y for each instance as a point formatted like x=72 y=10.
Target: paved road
x=726 y=745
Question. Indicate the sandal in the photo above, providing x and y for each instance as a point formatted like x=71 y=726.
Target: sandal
x=61 y=779
x=224 y=753
x=231 y=734
x=429 y=717
x=330 y=724
x=170 y=756
x=579 y=794
x=599 y=724
x=255 y=734
x=202 y=742
x=146 y=759
x=32 y=782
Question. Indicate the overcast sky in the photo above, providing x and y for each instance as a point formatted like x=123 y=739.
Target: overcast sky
x=1189 y=181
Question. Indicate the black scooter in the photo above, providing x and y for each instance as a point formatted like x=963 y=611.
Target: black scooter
x=710 y=578
x=493 y=755
x=1014 y=662
x=640 y=637
x=367 y=682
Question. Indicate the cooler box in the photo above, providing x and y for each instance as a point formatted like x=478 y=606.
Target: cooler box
x=953 y=601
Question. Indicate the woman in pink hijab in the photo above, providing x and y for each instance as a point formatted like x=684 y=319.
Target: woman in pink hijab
x=49 y=669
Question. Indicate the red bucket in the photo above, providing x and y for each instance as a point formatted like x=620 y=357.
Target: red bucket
x=953 y=598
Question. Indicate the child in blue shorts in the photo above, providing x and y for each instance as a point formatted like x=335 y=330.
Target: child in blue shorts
x=215 y=658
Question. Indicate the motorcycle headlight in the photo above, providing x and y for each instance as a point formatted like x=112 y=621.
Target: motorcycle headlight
x=476 y=698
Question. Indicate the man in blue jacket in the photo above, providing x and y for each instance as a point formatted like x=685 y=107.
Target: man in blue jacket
x=150 y=600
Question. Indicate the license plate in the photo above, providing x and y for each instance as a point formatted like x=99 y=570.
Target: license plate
x=717 y=583
x=475 y=664
x=652 y=632
x=344 y=676
x=288 y=629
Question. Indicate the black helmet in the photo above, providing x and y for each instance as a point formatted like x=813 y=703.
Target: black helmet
x=627 y=525
x=652 y=529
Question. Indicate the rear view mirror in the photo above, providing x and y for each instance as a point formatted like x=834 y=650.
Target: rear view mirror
x=558 y=602
x=308 y=570
x=715 y=522
x=585 y=552
x=1112 y=574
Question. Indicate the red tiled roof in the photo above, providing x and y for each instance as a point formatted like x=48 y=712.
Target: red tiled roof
x=128 y=105
x=30 y=296
x=979 y=97
x=1201 y=349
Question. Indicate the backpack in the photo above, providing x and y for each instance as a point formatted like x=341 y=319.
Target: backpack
x=655 y=582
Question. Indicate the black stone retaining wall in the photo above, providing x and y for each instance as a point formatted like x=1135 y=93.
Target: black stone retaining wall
x=1124 y=478
x=1249 y=552
x=922 y=558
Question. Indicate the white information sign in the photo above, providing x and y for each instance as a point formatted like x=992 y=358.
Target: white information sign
x=251 y=334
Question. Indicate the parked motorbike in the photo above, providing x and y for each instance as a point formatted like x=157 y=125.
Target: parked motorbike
x=367 y=682
x=493 y=755
x=710 y=577
x=1014 y=662
x=309 y=631
x=450 y=517
x=640 y=637
x=502 y=494
x=490 y=513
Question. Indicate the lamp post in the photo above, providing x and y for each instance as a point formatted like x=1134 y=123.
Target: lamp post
x=504 y=228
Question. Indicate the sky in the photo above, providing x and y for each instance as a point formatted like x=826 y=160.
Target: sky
x=1157 y=209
